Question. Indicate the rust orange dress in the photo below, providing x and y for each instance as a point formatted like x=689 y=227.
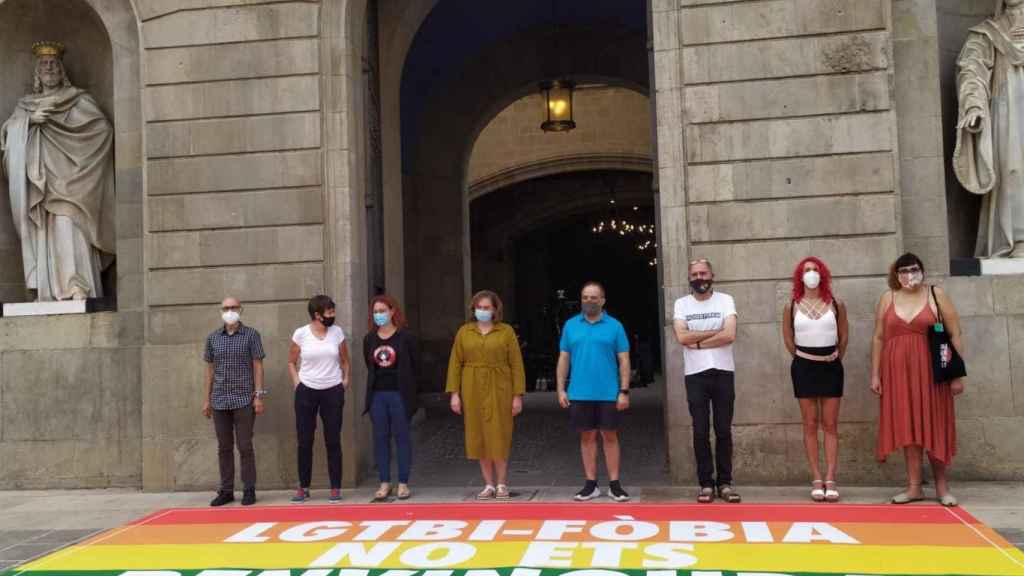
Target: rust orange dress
x=913 y=409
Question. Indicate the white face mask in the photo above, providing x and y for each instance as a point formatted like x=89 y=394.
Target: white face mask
x=230 y=317
x=812 y=279
x=912 y=280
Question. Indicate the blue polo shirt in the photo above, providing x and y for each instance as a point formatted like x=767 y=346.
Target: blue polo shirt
x=593 y=348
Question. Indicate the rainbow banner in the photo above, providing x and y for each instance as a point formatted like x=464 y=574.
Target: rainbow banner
x=543 y=540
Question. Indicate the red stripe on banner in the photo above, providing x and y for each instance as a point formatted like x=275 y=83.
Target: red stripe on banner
x=888 y=514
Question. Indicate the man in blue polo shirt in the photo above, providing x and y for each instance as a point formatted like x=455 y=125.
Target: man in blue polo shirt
x=595 y=346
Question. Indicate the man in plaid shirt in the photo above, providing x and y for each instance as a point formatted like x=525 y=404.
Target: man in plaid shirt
x=234 y=396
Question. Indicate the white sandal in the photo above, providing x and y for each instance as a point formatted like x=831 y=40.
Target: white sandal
x=831 y=494
x=502 y=493
x=818 y=494
x=487 y=493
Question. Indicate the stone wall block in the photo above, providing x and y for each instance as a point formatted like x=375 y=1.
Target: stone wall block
x=1009 y=294
x=994 y=452
x=232 y=98
x=232 y=24
x=249 y=283
x=1015 y=329
x=933 y=251
x=236 y=210
x=788 y=98
x=761 y=393
x=191 y=325
x=989 y=387
x=233 y=247
x=739 y=262
x=233 y=61
x=58 y=332
x=972 y=295
x=794 y=218
x=784 y=58
x=778 y=18
x=225 y=173
x=761 y=139
x=234 y=135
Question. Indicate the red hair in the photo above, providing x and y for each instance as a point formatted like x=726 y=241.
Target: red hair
x=824 y=288
x=397 y=318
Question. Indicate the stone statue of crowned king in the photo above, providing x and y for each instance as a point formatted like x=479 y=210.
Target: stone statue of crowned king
x=58 y=157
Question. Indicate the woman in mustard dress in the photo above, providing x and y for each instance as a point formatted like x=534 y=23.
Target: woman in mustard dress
x=487 y=383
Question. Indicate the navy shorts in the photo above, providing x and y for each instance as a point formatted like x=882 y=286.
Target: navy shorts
x=587 y=415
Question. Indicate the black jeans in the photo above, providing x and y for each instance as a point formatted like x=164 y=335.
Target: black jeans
x=707 y=391
x=329 y=403
x=235 y=426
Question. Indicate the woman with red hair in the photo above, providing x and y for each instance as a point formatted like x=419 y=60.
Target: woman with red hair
x=815 y=331
x=391 y=359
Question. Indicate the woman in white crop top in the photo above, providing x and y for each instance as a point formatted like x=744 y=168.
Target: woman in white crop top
x=814 y=328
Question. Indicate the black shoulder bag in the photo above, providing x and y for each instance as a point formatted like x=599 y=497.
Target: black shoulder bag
x=947 y=365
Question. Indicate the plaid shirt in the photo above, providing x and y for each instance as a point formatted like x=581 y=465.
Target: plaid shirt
x=232 y=356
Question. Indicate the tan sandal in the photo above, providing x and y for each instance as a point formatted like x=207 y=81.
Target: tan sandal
x=726 y=492
x=383 y=492
x=706 y=495
x=403 y=492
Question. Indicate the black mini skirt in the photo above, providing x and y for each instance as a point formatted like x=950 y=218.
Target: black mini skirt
x=817 y=379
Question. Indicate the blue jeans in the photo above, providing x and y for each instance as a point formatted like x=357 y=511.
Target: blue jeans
x=387 y=413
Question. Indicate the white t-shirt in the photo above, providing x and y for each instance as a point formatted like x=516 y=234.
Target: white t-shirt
x=706 y=315
x=319 y=362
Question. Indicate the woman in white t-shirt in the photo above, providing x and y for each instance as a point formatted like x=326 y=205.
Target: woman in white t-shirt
x=318 y=363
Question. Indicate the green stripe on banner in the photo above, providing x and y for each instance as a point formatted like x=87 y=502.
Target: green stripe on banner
x=435 y=572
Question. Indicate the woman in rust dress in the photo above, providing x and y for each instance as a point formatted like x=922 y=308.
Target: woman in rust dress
x=915 y=413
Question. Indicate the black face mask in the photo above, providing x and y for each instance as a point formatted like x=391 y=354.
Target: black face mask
x=700 y=286
x=327 y=321
x=591 y=308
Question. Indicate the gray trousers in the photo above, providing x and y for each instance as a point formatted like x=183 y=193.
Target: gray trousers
x=235 y=427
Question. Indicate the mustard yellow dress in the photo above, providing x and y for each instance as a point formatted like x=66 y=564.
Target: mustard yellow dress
x=487 y=371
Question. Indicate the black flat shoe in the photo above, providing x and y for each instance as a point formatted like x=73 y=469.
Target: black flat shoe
x=223 y=498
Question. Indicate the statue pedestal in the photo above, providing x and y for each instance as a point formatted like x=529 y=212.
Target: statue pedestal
x=49 y=308
x=1002 y=266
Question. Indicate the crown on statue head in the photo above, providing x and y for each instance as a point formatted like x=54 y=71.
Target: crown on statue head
x=48 y=49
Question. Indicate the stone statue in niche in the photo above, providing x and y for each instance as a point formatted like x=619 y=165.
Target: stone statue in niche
x=58 y=158
x=989 y=155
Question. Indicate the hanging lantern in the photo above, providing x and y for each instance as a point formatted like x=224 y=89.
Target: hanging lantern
x=558 y=106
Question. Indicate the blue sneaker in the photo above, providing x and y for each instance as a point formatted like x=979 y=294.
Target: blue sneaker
x=301 y=495
x=335 y=497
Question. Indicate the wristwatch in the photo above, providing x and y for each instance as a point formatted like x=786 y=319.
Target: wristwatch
x=261 y=393
x=626 y=391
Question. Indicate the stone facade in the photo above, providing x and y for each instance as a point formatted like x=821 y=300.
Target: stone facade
x=784 y=127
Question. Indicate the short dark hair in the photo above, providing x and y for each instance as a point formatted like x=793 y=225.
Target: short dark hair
x=907 y=259
x=319 y=304
x=595 y=284
x=499 y=308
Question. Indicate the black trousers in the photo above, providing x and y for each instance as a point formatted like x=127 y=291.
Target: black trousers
x=711 y=395
x=235 y=427
x=328 y=403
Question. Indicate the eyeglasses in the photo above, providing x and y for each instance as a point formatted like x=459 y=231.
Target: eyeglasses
x=908 y=269
x=227 y=308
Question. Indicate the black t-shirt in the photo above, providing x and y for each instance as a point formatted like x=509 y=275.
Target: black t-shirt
x=385 y=359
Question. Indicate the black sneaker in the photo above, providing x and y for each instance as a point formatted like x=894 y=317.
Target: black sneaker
x=617 y=493
x=249 y=497
x=223 y=497
x=588 y=492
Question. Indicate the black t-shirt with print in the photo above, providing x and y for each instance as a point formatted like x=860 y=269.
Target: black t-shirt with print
x=385 y=359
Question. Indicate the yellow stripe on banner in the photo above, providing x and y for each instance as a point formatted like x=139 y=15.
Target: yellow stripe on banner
x=846 y=559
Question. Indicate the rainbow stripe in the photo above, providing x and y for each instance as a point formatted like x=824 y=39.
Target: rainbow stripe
x=543 y=540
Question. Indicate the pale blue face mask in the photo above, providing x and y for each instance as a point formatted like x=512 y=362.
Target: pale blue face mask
x=483 y=315
x=381 y=318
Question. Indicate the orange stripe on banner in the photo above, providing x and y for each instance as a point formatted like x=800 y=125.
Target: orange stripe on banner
x=960 y=535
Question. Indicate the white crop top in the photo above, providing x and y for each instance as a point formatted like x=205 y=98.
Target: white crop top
x=811 y=333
